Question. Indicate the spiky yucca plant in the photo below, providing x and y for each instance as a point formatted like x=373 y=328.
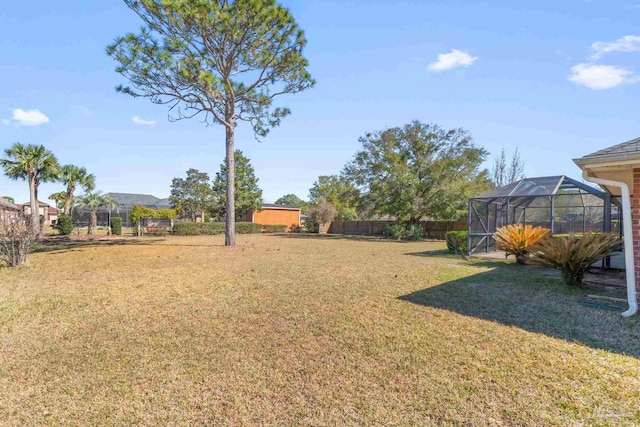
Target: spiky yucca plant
x=573 y=255
x=517 y=239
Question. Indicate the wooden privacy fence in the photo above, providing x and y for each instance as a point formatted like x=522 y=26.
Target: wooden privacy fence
x=431 y=229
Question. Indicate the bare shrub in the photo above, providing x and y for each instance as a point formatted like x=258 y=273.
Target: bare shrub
x=16 y=237
x=323 y=213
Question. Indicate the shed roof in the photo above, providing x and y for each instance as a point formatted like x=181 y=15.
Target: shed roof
x=277 y=206
x=541 y=186
x=629 y=150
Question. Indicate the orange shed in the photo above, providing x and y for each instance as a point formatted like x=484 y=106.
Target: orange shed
x=272 y=214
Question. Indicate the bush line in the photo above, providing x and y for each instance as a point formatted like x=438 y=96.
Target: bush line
x=213 y=228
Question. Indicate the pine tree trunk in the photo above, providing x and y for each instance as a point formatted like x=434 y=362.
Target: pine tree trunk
x=230 y=214
x=33 y=202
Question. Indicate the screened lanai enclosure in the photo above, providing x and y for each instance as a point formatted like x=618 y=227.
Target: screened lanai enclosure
x=125 y=202
x=559 y=203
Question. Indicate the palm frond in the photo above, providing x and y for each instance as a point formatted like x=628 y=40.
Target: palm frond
x=573 y=255
x=517 y=239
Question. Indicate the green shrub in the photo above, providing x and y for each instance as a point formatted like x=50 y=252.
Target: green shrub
x=211 y=228
x=400 y=231
x=274 y=228
x=64 y=225
x=116 y=226
x=457 y=242
x=394 y=230
x=573 y=255
x=414 y=232
x=311 y=226
x=248 y=228
x=198 y=228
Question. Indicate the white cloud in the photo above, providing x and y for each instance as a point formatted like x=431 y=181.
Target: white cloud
x=455 y=58
x=623 y=44
x=600 y=77
x=26 y=118
x=137 y=120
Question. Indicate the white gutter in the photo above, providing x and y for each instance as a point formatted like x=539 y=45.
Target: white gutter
x=632 y=295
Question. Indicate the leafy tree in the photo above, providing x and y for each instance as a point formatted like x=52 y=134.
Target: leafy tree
x=247 y=193
x=419 y=170
x=193 y=195
x=504 y=174
x=337 y=191
x=226 y=60
x=59 y=198
x=138 y=212
x=9 y=198
x=92 y=202
x=295 y=201
x=166 y=214
x=73 y=176
x=34 y=164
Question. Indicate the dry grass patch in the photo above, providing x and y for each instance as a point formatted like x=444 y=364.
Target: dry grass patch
x=304 y=331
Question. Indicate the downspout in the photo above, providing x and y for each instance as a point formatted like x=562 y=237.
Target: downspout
x=632 y=295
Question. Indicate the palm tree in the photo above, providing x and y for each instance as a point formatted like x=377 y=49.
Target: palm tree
x=93 y=201
x=73 y=176
x=59 y=198
x=32 y=163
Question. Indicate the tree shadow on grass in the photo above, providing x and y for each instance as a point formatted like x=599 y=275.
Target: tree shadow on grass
x=478 y=262
x=352 y=237
x=60 y=245
x=519 y=296
x=438 y=253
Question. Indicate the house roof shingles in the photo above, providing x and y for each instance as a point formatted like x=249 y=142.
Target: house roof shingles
x=131 y=199
x=629 y=150
x=40 y=204
x=5 y=204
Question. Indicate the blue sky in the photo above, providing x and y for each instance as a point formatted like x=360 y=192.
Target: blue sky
x=555 y=79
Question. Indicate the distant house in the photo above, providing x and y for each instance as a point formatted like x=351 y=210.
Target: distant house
x=48 y=214
x=272 y=214
x=7 y=205
x=8 y=210
x=125 y=202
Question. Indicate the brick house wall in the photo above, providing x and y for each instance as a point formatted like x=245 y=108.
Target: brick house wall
x=635 y=224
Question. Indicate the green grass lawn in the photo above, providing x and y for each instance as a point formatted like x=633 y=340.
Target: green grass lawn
x=304 y=330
